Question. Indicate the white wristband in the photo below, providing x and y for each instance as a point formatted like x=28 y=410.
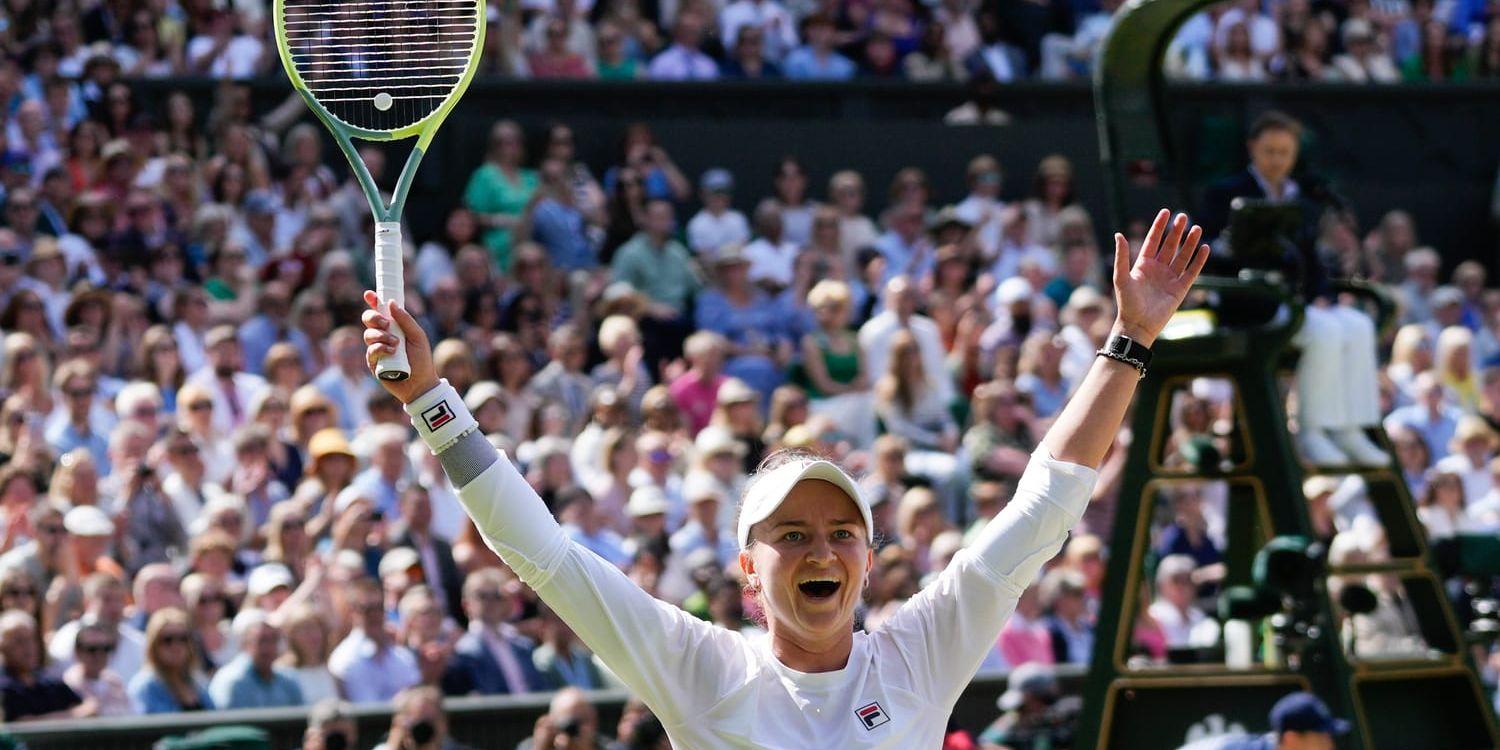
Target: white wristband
x=441 y=417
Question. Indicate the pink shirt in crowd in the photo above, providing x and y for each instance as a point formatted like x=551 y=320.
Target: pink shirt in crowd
x=696 y=398
x=1023 y=641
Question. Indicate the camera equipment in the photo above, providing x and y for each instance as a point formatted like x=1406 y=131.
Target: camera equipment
x=422 y=732
x=1263 y=234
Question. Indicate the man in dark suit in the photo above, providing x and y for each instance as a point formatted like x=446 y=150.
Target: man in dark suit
x=492 y=658
x=414 y=530
x=1337 y=387
x=1274 y=144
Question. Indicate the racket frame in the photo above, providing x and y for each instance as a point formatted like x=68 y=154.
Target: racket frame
x=387 y=216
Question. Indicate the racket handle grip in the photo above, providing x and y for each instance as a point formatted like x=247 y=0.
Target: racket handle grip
x=389 y=286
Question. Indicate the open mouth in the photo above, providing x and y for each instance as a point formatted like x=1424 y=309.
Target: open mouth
x=819 y=589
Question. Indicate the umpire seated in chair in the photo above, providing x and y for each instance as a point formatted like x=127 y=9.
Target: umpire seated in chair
x=1278 y=217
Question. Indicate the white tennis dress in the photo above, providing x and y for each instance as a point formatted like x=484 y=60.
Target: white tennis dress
x=714 y=688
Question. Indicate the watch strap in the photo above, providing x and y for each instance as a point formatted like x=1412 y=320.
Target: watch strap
x=1122 y=348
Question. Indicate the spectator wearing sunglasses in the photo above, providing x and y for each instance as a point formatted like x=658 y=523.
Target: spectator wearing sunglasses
x=90 y=676
x=168 y=684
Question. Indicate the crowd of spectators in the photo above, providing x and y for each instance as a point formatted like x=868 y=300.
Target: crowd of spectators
x=1356 y=41
x=207 y=502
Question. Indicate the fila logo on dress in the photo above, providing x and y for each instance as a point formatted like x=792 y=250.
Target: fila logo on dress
x=871 y=715
x=437 y=416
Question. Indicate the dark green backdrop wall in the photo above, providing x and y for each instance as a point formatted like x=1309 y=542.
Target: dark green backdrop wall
x=1433 y=149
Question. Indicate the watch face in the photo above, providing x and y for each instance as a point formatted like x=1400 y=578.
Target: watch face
x=1119 y=345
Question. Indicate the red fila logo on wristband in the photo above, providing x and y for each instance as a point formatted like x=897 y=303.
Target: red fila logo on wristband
x=437 y=416
x=872 y=715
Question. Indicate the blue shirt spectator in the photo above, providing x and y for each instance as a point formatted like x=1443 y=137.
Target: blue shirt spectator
x=805 y=64
x=242 y=684
x=1431 y=417
x=559 y=227
x=151 y=695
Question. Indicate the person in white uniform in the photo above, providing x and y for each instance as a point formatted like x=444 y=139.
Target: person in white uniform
x=804 y=532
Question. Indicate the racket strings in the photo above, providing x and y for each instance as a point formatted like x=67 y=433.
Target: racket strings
x=381 y=65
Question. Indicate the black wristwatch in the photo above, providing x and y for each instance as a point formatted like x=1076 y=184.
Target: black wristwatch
x=1128 y=350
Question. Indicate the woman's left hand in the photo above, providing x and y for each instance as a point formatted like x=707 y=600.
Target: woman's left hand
x=1149 y=291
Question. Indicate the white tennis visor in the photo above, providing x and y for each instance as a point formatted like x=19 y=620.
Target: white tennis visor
x=768 y=491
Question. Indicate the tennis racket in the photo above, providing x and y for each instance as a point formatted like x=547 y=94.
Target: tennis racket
x=381 y=70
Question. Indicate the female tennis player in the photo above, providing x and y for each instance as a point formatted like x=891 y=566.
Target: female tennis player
x=805 y=541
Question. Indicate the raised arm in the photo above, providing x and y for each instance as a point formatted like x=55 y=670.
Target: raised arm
x=675 y=662
x=958 y=616
x=1147 y=293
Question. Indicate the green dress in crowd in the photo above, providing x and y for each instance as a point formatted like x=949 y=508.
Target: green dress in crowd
x=491 y=192
x=842 y=368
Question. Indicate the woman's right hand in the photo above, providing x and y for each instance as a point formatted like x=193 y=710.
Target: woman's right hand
x=380 y=343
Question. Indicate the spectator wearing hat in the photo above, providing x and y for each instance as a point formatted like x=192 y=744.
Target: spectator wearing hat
x=369 y=664
x=93 y=536
x=1299 y=721
x=717 y=224
x=252 y=679
x=1036 y=714
x=331 y=466
x=414 y=530
x=1364 y=60
x=266 y=588
x=817 y=60
x=750 y=321
x=648 y=510
x=492 y=654
x=739 y=410
x=1470 y=452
